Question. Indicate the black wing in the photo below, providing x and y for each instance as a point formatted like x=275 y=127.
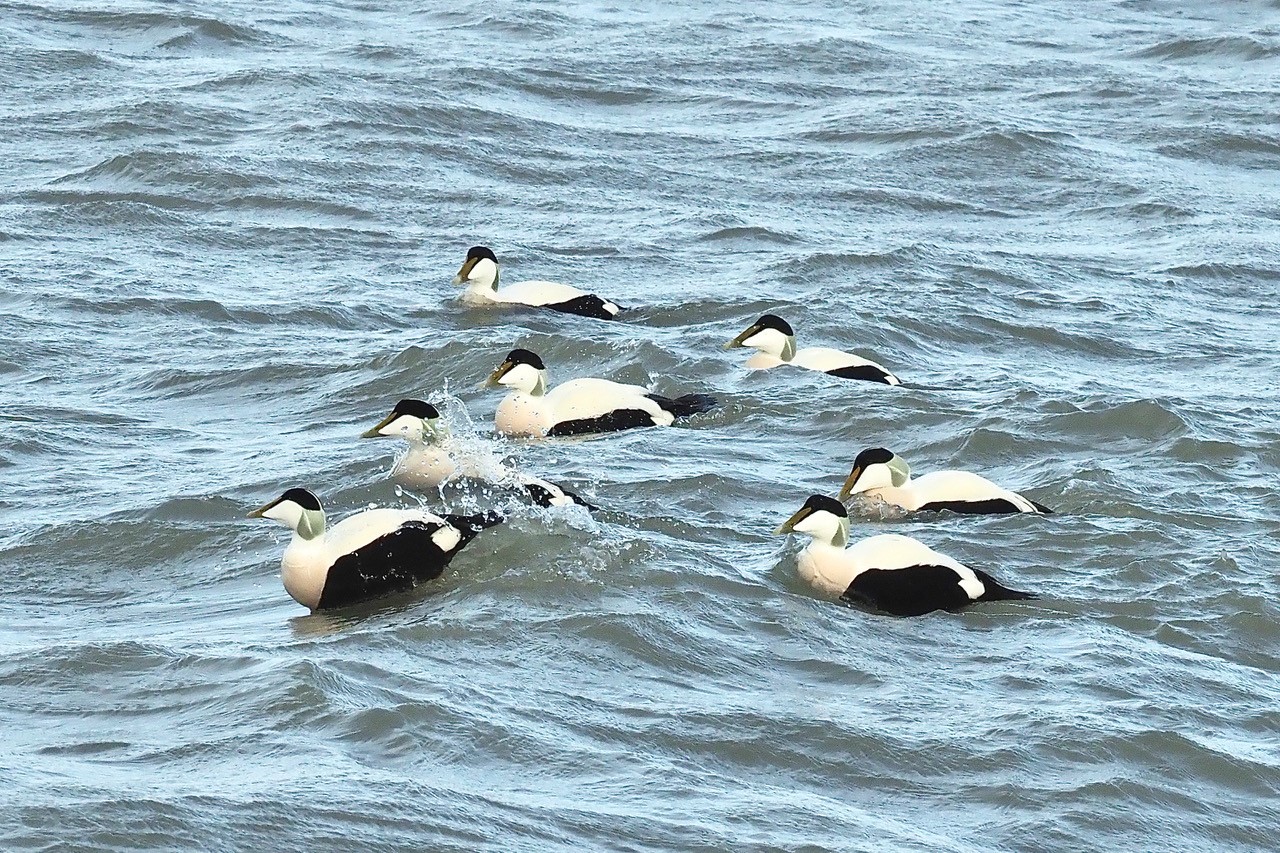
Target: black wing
x=391 y=563
x=588 y=305
x=990 y=506
x=865 y=372
x=909 y=591
x=618 y=419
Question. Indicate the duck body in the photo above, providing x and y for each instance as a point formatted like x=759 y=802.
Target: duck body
x=580 y=406
x=833 y=362
x=880 y=473
x=428 y=462
x=774 y=340
x=898 y=575
x=424 y=467
x=433 y=458
x=479 y=274
x=957 y=491
x=891 y=573
x=368 y=554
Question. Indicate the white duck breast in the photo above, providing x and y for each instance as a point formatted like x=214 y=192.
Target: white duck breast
x=428 y=462
x=580 y=406
x=891 y=573
x=775 y=343
x=424 y=467
x=479 y=274
x=365 y=555
x=433 y=456
x=880 y=473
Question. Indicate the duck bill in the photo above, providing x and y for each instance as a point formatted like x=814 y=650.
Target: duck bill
x=847 y=489
x=495 y=378
x=262 y=510
x=376 y=432
x=737 y=342
x=461 y=277
x=789 y=525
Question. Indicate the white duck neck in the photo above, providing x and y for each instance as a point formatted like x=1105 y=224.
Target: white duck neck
x=483 y=276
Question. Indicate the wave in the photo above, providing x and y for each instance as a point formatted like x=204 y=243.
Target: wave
x=1235 y=47
x=194 y=29
x=749 y=234
x=1239 y=148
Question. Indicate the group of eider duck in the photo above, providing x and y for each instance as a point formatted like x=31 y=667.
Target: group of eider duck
x=380 y=551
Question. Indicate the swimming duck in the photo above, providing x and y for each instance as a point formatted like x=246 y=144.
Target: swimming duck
x=480 y=275
x=579 y=406
x=776 y=342
x=367 y=554
x=882 y=474
x=427 y=463
x=891 y=573
x=431 y=460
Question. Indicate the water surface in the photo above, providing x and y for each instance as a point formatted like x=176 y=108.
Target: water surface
x=226 y=238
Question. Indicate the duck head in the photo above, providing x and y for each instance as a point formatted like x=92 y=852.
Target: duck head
x=771 y=335
x=480 y=269
x=521 y=370
x=297 y=509
x=875 y=468
x=413 y=420
x=823 y=519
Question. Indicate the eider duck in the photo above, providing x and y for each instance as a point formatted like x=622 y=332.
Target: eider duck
x=776 y=342
x=579 y=406
x=891 y=573
x=479 y=274
x=427 y=463
x=882 y=474
x=367 y=554
x=431 y=460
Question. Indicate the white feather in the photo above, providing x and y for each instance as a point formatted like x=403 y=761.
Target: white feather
x=446 y=538
x=425 y=466
x=939 y=486
x=831 y=570
x=525 y=414
x=539 y=293
x=825 y=359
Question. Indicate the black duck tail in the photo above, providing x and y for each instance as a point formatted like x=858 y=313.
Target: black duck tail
x=1041 y=507
x=996 y=592
x=543 y=493
x=587 y=305
x=689 y=404
x=470 y=525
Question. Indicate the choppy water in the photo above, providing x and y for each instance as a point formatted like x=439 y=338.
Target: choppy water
x=226 y=235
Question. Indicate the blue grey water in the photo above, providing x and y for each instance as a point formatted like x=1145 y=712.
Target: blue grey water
x=227 y=231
